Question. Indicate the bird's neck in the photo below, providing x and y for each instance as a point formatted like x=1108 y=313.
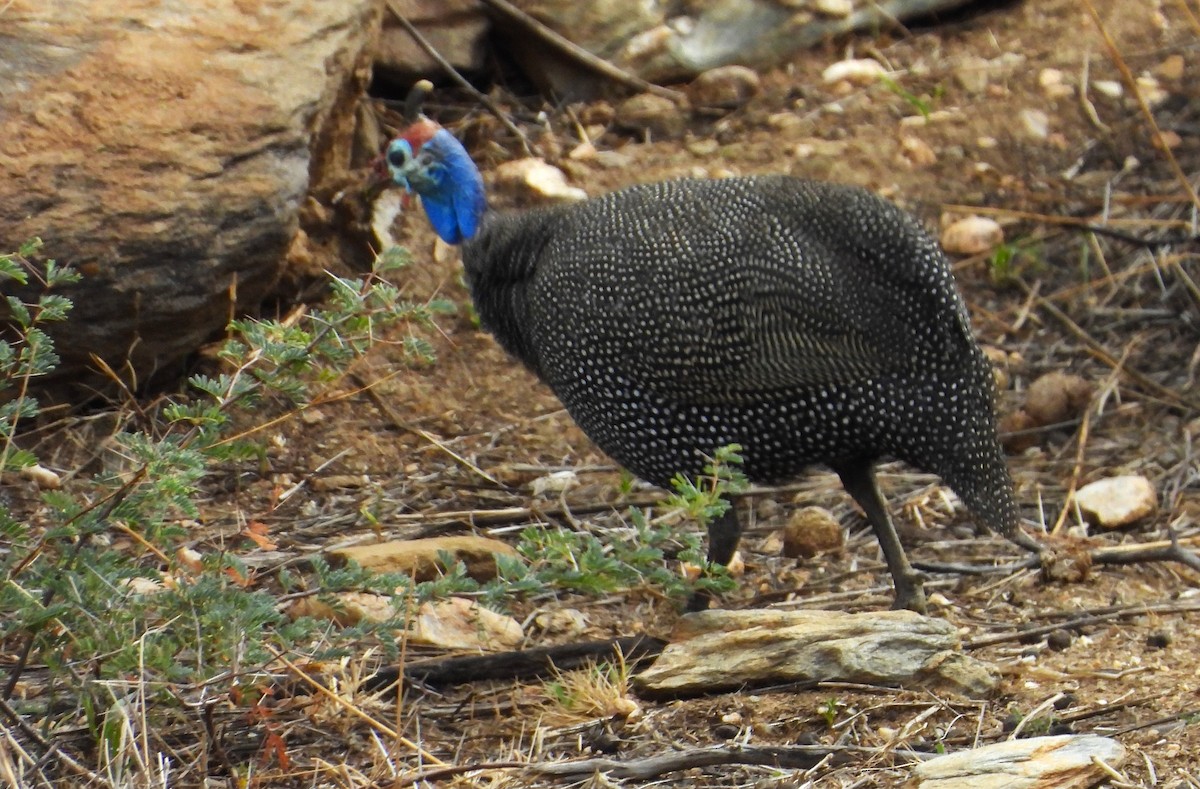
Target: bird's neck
x=501 y=263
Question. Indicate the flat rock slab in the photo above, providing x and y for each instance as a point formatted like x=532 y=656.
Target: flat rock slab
x=422 y=559
x=721 y=650
x=1062 y=762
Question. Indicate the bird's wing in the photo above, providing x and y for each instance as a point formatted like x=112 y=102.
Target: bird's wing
x=757 y=339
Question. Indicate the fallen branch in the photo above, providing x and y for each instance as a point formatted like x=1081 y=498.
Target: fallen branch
x=519 y=664
x=796 y=757
x=1083 y=621
x=462 y=81
x=1172 y=397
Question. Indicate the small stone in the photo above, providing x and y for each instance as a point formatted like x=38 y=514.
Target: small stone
x=144 y=587
x=1158 y=640
x=347 y=609
x=1170 y=138
x=1171 y=69
x=972 y=235
x=340 y=482
x=1109 y=87
x=839 y=9
x=856 y=71
x=41 y=476
x=1013 y=431
x=917 y=151
x=725 y=731
x=561 y=621
x=1117 y=501
x=190 y=559
x=654 y=115
x=1150 y=89
x=1036 y=123
x=1059 y=640
x=810 y=531
x=555 y=483
x=1057 y=397
x=726 y=87
x=422 y=558
x=1054 y=84
x=972 y=74
x=540 y=179
x=459 y=623
x=734 y=718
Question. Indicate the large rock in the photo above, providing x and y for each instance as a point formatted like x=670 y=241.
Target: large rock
x=457 y=29
x=165 y=150
x=717 y=650
x=663 y=42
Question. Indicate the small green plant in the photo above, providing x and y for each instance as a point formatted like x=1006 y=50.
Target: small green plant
x=829 y=710
x=1009 y=259
x=707 y=498
x=92 y=581
x=921 y=104
x=27 y=352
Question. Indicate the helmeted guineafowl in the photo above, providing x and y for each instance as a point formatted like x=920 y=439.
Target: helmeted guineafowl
x=811 y=323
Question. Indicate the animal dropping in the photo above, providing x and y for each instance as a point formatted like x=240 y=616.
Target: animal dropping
x=811 y=323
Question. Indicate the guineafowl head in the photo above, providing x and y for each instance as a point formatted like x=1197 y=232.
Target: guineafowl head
x=428 y=160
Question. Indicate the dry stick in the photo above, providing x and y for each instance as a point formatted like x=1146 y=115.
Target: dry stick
x=519 y=664
x=1084 y=222
x=578 y=53
x=482 y=98
x=1161 y=551
x=1170 y=395
x=399 y=423
x=1082 y=621
x=1081 y=448
x=793 y=757
x=1157 y=721
x=1191 y=17
x=1131 y=85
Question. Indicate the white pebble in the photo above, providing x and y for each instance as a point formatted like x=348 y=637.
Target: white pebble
x=43 y=477
x=972 y=236
x=1117 y=501
x=861 y=71
x=1036 y=123
x=540 y=178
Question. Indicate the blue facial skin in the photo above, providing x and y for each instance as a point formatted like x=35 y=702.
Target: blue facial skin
x=449 y=184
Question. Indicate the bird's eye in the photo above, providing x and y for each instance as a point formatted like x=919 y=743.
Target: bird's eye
x=399 y=153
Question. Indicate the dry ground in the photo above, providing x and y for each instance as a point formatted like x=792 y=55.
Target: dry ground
x=1093 y=304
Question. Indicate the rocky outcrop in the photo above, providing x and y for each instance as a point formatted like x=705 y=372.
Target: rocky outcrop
x=165 y=152
x=673 y=42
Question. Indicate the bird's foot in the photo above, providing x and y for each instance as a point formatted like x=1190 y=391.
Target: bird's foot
x=910 y=595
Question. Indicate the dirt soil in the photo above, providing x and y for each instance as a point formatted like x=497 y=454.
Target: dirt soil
x=1124 y=316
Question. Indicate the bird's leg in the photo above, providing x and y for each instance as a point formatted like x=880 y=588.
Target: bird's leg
x=858 y=478
x=1020 y=537
x=723 y=535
